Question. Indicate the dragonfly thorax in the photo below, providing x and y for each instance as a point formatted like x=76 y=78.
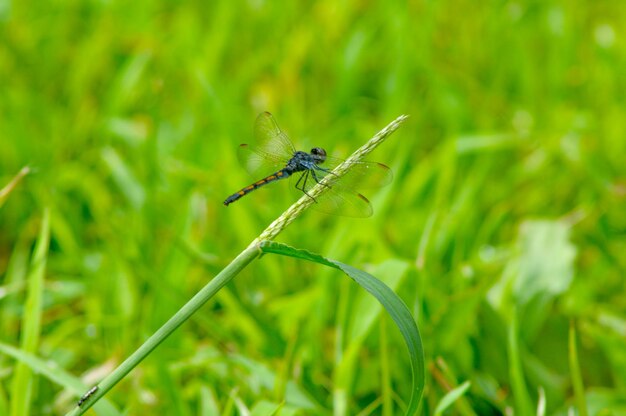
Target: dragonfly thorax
x=306 y=161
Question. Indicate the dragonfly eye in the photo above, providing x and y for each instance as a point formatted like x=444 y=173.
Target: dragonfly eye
x=319 y=152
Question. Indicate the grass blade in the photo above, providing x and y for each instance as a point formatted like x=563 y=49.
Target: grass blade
x=4 y=192
x=23 y=381
x=577 y=378
x=451 y=397
x=390 y=301
x=523 y=404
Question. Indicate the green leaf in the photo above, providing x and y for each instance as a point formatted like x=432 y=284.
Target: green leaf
x=452 y=396
x=365 y=313
x=24 y=379
x=543 y=264
x=546 y=264
x=540 y=269
x=390 y=301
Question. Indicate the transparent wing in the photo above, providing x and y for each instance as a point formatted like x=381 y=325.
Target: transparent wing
x=271 y=150
x=259 y=163
x=343 y=196
x=347 y=204
x=360 y=176
x=270 y=138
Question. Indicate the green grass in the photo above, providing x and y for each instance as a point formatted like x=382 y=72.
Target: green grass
x=504 y=224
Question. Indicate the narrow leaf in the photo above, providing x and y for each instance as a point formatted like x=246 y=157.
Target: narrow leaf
x=451 y=397
x=23 y=380
x=390 y=301
x=4 y=192
x=576 y=374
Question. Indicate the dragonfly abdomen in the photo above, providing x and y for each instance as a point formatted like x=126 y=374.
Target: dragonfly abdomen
x=281 y=174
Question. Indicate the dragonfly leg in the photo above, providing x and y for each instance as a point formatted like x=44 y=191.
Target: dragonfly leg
x=298 y=182
x=304 y=177
x=318 y=179
x=324 y=170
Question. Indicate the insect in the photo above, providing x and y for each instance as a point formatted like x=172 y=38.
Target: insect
x=87 y=395
x=273 y=157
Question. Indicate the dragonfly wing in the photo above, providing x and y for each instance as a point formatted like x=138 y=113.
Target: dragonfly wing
x=343 y=196
x=271 y=150
x=362 y=175
x=270 y=138
x=347 y=204
x=336 y=200
x=259 y=163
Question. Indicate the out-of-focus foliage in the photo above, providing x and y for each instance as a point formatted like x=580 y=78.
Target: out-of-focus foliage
x=504 y=224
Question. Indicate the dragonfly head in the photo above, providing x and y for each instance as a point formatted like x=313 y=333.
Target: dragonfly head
x=319 y=155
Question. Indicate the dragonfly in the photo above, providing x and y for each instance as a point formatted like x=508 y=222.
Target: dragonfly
x=273 y=157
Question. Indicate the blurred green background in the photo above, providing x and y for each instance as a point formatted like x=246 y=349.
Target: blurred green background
x=504 y=226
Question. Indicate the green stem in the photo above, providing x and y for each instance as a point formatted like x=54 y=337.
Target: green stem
x=225 y=276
